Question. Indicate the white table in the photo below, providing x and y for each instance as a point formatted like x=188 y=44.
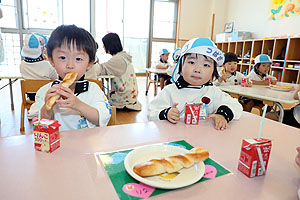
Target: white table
x=12 y=77
x=156 y=72
x=71 y=171
x=264 y=93
x=107 y=79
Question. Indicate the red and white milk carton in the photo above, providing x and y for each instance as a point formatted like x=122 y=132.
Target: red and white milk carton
x=46 y=135
x=269 y=79
x=192 y=113
x=245 y=82
x=254 y=157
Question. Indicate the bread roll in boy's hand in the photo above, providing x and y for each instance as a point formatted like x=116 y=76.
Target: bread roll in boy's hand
x=67 y=82
x=224 y=74
x=172 y=163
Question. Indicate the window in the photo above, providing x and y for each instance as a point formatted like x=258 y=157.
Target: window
x=9 y=10
x=165 y=13
x=11 y=43
x=76 y=12
x=42 y=14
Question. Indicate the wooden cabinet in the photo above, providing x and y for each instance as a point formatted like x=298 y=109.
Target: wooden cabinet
x=284 y=52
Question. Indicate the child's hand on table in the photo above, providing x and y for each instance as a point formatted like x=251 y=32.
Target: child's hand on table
x=173 y=114
x=273 y=82
x=249 y=84
x=220 y=121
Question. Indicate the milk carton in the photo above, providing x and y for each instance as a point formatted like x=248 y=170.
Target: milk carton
x=46 y=135
x=245 y=82
x=192 y=113
x=254 y=157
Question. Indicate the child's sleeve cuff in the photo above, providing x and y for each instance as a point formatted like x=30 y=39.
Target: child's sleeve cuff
x=225 y=112
x=163 y=115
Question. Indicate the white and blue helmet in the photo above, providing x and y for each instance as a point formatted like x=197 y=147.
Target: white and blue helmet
x=262 y=58
x=176 y=54
x=33 y=45
x=202 y=46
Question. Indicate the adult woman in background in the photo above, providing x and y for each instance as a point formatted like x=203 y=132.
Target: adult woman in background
x=124 y=88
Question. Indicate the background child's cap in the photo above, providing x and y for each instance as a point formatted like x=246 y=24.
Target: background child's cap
x=202 y=46
x=33 y=45
x=163 y=51
x=262 y=58
x=176 y=54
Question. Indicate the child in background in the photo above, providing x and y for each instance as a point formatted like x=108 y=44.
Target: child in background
x=124 y=88
x=259 y=75
x=163 y=64
x=228 y=74
x=83 y=105
x=196 y=67
x=34 y=66
x=175 y=56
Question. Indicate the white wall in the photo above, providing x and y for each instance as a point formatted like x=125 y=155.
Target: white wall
x=195 y=19
x=252 y=16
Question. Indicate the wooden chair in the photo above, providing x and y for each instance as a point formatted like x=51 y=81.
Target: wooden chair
x=149 y=80
x=99 y=82
x=113 y=117
x=29 y=86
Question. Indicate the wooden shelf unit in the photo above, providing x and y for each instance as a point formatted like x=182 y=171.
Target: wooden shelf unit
x=284 y=52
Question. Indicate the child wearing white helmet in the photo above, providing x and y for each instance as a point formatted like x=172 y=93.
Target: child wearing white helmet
x=259 y=76
x=34 y=66
x=163 y=63
x=193 y=75
x=175 y=56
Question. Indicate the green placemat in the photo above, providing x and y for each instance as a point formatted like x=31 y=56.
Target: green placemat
x=128 y=188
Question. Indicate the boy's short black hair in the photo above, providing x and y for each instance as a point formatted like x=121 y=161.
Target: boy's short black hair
x=230 y=57
x=215 y=74
x=112 y=43
x=72 y=35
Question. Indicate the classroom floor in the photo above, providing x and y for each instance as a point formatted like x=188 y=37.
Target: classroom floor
x=10 y=120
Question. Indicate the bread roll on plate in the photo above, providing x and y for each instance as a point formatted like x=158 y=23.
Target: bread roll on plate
x=67 y=82
x=172 y=163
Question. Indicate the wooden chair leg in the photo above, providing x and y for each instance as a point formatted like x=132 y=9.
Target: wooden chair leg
x=148 y=86
x=259 y=109
x=22 y=128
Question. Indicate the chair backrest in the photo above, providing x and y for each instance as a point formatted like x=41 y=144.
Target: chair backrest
x=31 y=86
x=99 y=82
x=113 y=117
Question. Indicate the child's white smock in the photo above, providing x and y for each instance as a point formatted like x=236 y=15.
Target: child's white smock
x=256 y=77
x=234 y=79
x=71 y=119
x=171 y=94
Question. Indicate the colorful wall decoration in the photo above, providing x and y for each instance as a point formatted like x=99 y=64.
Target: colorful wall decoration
x=280 y=9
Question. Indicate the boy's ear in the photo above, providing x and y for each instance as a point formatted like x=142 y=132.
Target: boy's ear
x=90 y=65
x=51 y=61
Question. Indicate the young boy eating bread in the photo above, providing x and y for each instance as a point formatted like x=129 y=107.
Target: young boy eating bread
x=83 y=104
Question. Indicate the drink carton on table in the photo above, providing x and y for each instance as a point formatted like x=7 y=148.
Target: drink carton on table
x=254 y=157
x=245 y=82
x=192 y=113
x=46 y=135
